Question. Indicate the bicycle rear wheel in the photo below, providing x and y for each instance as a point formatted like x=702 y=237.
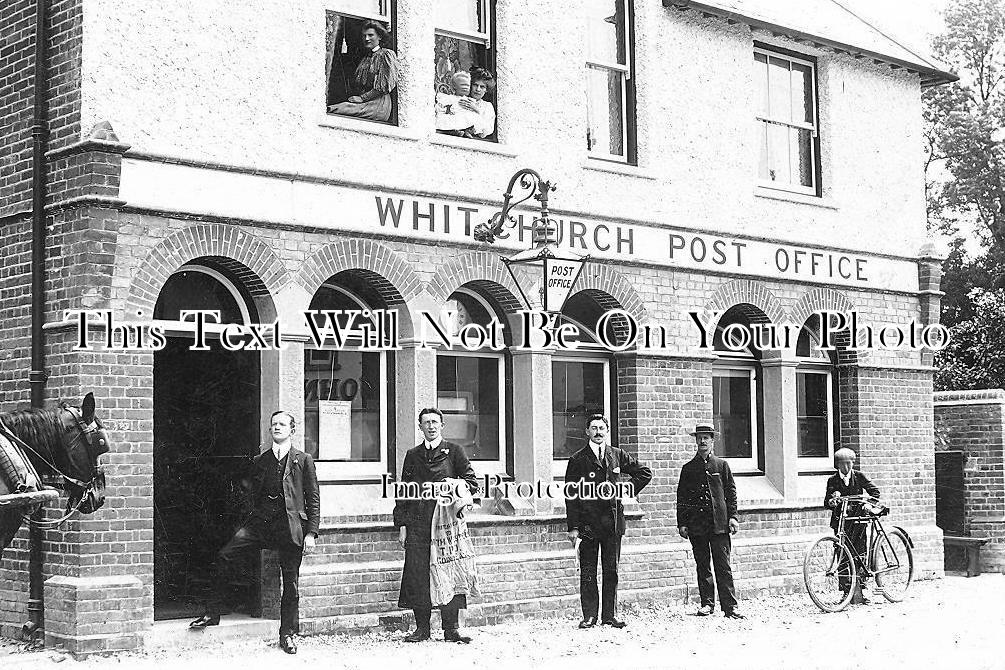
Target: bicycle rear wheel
x=892 y=565
x=829 y=573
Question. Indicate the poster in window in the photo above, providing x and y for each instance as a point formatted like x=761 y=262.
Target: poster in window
x=334 y=430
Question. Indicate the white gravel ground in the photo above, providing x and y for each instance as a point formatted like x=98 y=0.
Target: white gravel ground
x=949 y=623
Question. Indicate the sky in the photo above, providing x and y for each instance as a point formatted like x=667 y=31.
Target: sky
x=911 y=22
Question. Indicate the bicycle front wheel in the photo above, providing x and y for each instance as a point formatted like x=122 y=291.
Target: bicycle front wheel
x=829 y=573
x=893 y=565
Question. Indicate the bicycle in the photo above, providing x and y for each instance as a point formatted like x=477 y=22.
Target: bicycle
x=833 y=567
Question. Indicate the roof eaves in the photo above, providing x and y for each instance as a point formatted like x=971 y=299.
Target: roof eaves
x=930 y=76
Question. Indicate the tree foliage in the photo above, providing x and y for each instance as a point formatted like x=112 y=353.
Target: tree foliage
x=965 y=189
x=973 y=359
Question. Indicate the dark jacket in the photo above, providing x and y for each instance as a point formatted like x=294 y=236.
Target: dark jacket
x=691 y=512
x=602 y=517
x=300 y=490
x=448 y=460
x=857 y=485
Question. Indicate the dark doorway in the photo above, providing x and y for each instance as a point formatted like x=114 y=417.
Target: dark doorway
x=950 y=504
x=206 y=431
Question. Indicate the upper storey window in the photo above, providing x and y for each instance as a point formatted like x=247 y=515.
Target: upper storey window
x=610 y=89
x=464 y=57
x=361 y=63
x=786 y=122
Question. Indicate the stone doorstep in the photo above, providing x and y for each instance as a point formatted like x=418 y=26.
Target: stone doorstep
x=175 y=633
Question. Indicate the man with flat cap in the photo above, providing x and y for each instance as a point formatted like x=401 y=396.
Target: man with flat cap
x=706 y=515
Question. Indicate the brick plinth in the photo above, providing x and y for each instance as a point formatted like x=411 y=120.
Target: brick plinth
x=87 y=615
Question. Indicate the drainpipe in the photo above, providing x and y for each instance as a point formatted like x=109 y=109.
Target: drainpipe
x=37 y=376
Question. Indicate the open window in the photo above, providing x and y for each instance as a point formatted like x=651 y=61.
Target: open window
x=786 y=121
x=610 y=83
x=465 y=66
x=352 y=69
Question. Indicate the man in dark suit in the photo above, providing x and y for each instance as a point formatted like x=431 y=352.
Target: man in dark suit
x=597 y=521
x=707 y=516
x=286 y=516
x=432 y=460
x=848 y=482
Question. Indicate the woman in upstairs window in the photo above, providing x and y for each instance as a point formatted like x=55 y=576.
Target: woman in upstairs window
x=376 y=76
x=482 y=82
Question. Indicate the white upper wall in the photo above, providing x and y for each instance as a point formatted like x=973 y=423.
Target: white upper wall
x=242 y=83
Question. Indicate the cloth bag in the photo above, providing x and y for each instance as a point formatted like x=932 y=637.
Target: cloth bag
x=452 y=567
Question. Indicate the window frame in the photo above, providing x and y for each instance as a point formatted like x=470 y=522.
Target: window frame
x=213 y=330
x=629 y=117
x=390 y=17
x=728 y=366
x=460 y=351
x=817 y=463
x=335 y=470
x=387 y=17
x=769 y=51
x=486 y=466
x=560 y=465
x=488 y=40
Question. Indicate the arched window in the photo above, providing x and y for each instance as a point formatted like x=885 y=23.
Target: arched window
x=470 y=385
x=580 y=380
x=199 y=287
x=816 y=391
x=737 y=394
x=345 y=387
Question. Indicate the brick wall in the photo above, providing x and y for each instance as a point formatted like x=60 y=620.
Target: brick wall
x=17 y=63
x=103 y=257
x=974 y=423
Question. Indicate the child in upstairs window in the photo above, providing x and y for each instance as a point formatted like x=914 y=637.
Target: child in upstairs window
x=451 y=117
x=465 y=113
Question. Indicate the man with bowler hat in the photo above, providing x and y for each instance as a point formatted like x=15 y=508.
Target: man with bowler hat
x=706 y=515
x=597 y=521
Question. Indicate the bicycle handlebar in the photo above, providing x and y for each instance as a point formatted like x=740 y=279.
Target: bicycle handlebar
x=861 y=497
x=870 y=504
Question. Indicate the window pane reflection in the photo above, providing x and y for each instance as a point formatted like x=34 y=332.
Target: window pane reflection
x=811 y=412
x=467 y=392
x=351 y=377
x=732 y=415
x=605 y=111
x=577 y=391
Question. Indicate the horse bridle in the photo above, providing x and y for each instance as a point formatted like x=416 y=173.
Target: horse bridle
x=96 y=444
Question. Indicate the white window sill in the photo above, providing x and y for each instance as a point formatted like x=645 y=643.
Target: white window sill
x=468 y=144
x=367 y=127
x=756 y=490
x=792 y=196
x=613 y=167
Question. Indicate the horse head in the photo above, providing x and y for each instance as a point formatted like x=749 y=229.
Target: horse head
x=83 y=441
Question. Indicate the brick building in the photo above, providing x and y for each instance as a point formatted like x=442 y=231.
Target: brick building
x=973 y=423
x=749 y=162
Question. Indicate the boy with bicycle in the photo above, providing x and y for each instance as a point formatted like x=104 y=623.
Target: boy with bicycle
x=848 y=481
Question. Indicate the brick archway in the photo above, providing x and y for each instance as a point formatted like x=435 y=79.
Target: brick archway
x=820 y=299
x=744 y=291
x=248 y=257
x=484 y=271
x=387 y=271
x=611 y=289
x=828 y=299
